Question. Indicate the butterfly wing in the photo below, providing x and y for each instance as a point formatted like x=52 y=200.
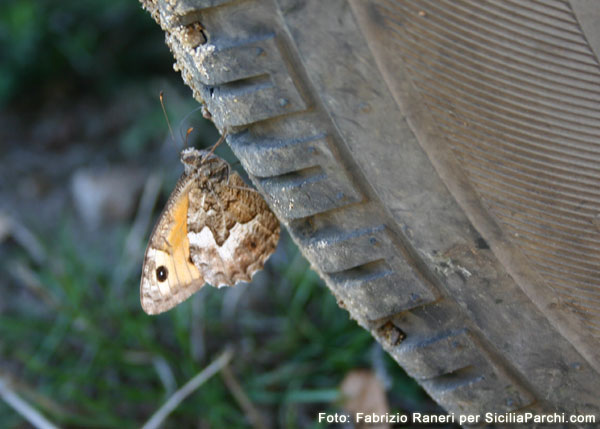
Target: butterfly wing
x=231 y=231
x=168 y=274
x=214 y=229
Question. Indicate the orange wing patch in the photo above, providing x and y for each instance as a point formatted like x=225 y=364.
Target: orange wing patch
x=169 y=276
x=184 y=269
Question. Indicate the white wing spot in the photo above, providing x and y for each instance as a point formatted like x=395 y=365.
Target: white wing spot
x=205 y=240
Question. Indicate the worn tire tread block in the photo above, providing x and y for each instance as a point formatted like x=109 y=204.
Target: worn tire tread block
x=250 y=78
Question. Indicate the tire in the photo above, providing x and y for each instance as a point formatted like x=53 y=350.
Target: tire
x=438 y=163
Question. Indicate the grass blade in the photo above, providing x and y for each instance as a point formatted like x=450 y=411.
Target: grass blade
x=188 y=388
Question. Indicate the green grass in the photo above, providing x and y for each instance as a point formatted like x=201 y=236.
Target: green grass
x=74 y=340
x=91 y=358
x=71 y=47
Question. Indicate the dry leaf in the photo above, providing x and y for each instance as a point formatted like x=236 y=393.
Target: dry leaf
x=364 y=393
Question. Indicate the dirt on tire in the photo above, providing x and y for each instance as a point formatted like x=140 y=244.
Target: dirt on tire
x=439 y=165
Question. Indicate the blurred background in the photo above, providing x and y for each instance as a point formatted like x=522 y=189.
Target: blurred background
x=86 y=166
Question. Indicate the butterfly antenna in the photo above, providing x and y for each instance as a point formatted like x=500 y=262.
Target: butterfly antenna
x=184 y=120
x=187 y=134
x=162 y=104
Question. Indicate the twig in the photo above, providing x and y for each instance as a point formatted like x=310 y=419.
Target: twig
x=173 y=402
x=252 y=414
x=144 y=214
x=22 y=235
x=30 y=280
x=23 y=408
x=132 y=248
x=165 y=374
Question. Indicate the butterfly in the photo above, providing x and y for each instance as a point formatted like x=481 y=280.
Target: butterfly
x=214 y=229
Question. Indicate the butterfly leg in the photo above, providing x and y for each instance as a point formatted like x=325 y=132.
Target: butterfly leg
x=212 y=149
x=242 y=188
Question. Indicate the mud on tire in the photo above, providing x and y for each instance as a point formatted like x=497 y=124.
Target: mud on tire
x=438 y=163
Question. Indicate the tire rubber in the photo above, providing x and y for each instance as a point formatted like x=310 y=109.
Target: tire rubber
x=438 y=163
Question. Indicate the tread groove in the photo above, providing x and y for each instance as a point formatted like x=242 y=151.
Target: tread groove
x=543 y=100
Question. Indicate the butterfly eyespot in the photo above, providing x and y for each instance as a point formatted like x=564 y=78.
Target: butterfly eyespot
x=162 y=273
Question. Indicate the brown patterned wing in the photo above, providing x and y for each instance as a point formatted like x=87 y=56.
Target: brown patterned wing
x=231 y=231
